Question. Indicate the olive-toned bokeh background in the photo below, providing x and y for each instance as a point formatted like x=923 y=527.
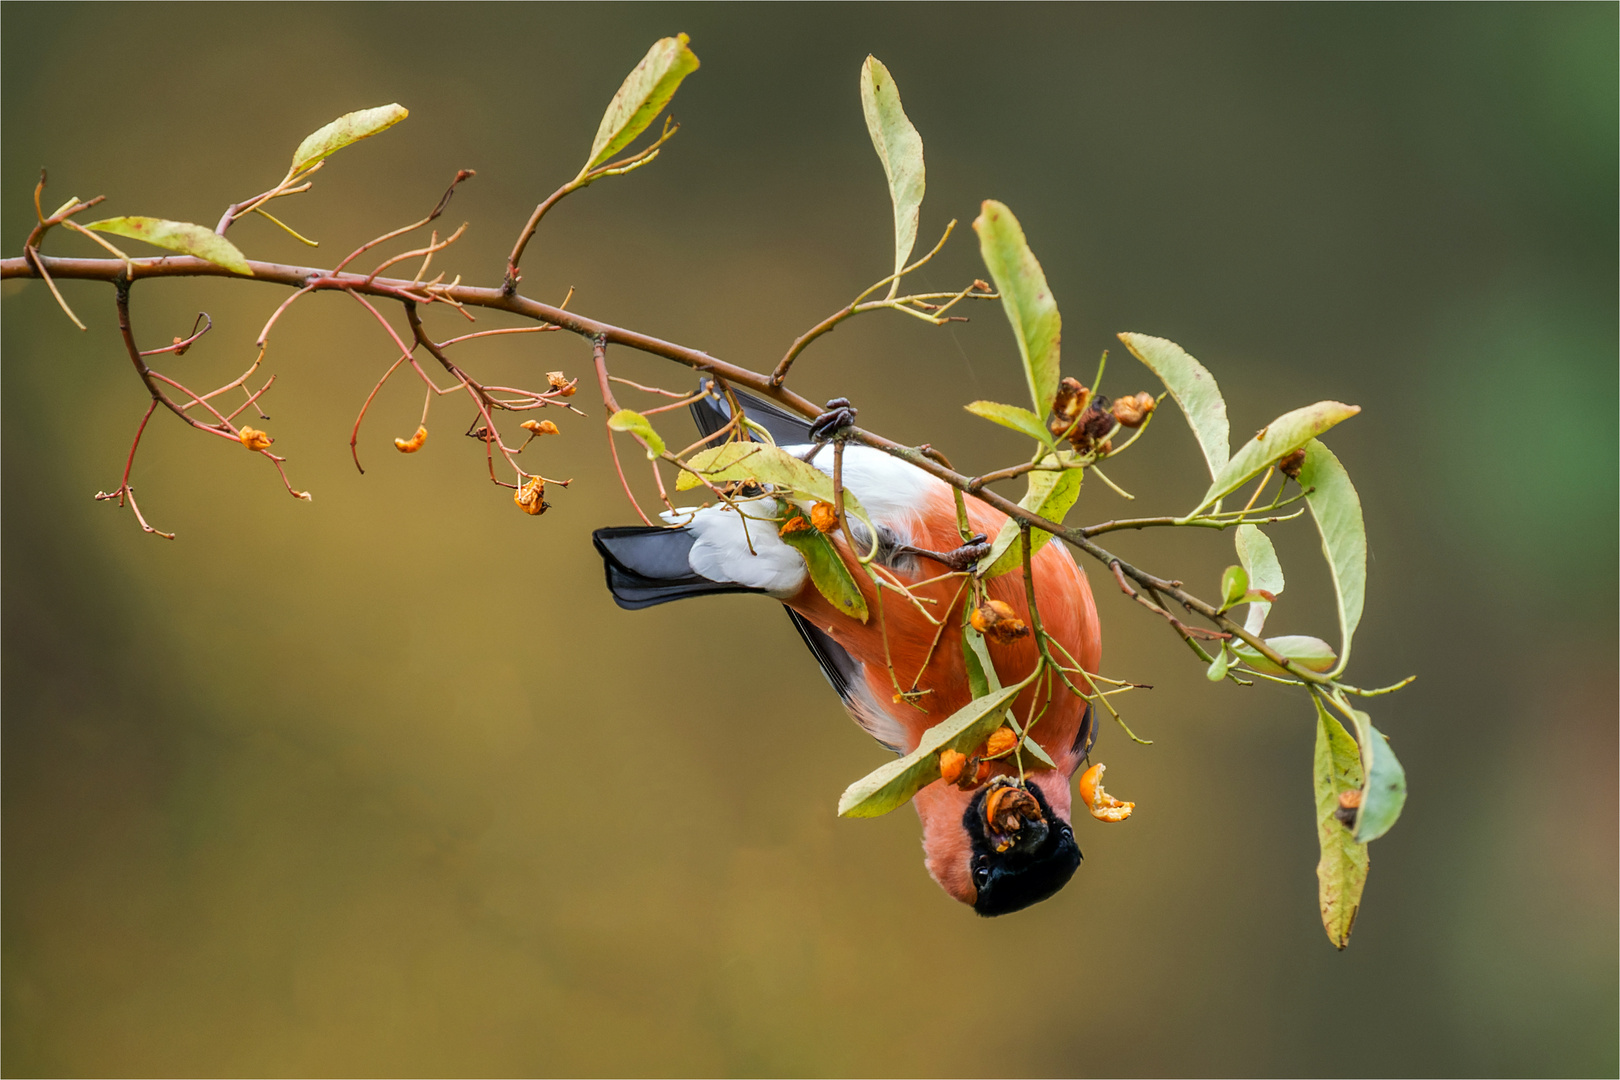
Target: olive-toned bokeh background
x=385 y=784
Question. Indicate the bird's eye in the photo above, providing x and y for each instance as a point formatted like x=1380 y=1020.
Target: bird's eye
x=981 y=876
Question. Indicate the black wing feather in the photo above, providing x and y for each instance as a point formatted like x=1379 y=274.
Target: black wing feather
x=649 y=565
x=713 y=412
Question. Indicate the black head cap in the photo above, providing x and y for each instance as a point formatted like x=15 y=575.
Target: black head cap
x=1019 y=876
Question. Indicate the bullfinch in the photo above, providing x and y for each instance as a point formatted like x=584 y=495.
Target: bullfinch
x=990 y=840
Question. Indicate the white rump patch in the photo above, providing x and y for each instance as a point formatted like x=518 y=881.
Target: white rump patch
x=749 y=552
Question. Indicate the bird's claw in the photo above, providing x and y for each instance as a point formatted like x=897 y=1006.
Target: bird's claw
x=837 y=415
x=963 y=558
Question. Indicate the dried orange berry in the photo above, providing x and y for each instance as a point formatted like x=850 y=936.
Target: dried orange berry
x=795 y=522
x=539 y=427
x=1350 y=799
x=998 y=622
x=1071 y=397
x=988 y=614
x=561 y=384
x=413 y=444
x=1002 y=740
x=531 y=496
x=1013 y=818
x=1290 y=465
x=254 y=439
x=1131 y=411
x=1103 y=806
x=950 y=765
x=824 y=517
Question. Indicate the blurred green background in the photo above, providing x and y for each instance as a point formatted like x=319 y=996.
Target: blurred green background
x=385 y=784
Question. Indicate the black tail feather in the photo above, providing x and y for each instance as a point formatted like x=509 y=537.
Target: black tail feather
x=713 y=412
x=648 y=566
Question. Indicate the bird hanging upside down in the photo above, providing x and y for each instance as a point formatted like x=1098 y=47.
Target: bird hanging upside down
x=989 y=840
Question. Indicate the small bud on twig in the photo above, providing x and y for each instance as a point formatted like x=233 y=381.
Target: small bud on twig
x=1131 y=411
x=539 y=427
x=561 y=384
x=531 y=496
x=413 y=444
x=254 y=439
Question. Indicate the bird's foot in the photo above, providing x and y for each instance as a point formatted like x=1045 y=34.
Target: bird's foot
x=838 y=414
x=961 y=559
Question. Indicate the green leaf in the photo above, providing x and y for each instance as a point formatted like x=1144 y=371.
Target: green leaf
x=900 y=149
x=636 y=424
x=181 y=236
x=1310 y=653
x=1259 y=560
x=1234 y=584
x=1385 y=792
x=1011 y=416
x=1342 y=872
x=1218 y=666
x=981 y=670
x=1337 y=511
x=1276 y=440
x=642 y=96
x=1025 y=298
x=346 y=129
x=1194 y=389
x=827 y=570
x=1050 y=495
x=895 y=783
x=767 y=464
x=982 y=680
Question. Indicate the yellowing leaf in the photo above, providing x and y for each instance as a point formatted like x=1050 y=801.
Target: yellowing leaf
x=633 y=422
x=1337 y=510
x=1194 y=389
x=899 y=148
x=642 y=96
x=1050 y=495
x=767 y=464
x=828 y=571
x=1025 y=298
x=346 y=129
x=181 y=236
x=1011 y=416
x=1276 y=440
x=895 y=783
x=1341 y=873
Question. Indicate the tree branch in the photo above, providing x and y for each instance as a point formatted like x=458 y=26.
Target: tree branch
x=602 y=334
